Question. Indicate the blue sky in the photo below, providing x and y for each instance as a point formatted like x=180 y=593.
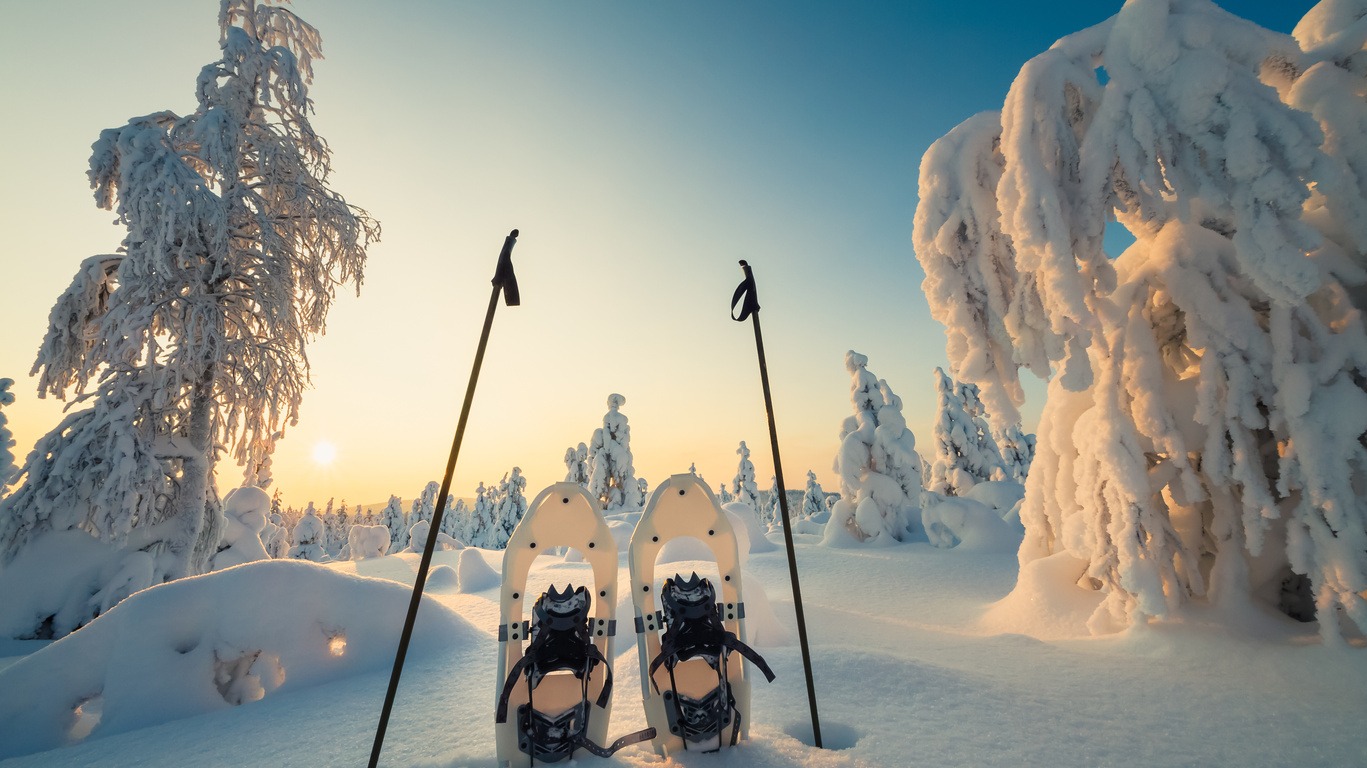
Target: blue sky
x=642 y=148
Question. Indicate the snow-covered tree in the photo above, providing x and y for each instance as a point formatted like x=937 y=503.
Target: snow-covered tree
x=813 y=498
x=1018 y=450
x=743 y=486
x=510 y=505
x=455 y=521
x=7 y=466
x=310 y=537
x=425 y=506
x=576 y=465
x=723 y=495
x=1203 y=436
x=877 y=464
x=965 y=452
x=276 y=536
x=190 y=340
x=244 y=513
x=482 y=521
x=693 y=469
x=329 y=517
x=393 y=518
x=344 y=523
x=611 y=477
x=768 y=508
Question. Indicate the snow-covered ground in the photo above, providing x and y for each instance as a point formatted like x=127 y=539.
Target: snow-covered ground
x=918 y=661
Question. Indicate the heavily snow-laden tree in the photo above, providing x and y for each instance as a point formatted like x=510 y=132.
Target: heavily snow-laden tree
x=455 y=521
x=577 y=465
x=965 y=452
x=310 y=537
x=276 y=537
x=329 y=518
x=768 y=508
x=877 y=464
x=482 y=520
x=1017 y=451
x=723 y=495
x=425 y=506
x=510 y=505
x=7 y=467
x=244 y=513
x=1204 y=435
x=611 y=476
x=190 y=340
x=743 y=487
x=393 y=518
x=344 y=523
x=813 y=498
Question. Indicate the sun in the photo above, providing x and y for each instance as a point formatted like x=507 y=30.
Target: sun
x=324 y=453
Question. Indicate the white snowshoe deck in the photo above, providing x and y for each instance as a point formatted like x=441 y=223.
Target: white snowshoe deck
x=563 y=515
x=684 y=506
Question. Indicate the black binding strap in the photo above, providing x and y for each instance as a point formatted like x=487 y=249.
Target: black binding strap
x=745 y=292
x=729 y=641
x=626 y=741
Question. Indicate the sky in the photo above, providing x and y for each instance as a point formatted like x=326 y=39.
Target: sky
x=642 y=149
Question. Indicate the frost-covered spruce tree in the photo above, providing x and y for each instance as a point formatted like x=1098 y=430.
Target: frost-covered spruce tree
x=482 y=520
x=425 y=506
x=769 y=510
x=965 y=453
x=7 y=466
x=455 y=521
x=310 y=537
x=1203 y=436
x=611 y=476
x=393 y=518
x=813 y=498
x=723 y=495
x=510 y=506
x=577 y=465
x=190 y=340
x=329 y=518
x=1017 y=450
x=343 y=526
x=743 y=487
x=877 y=464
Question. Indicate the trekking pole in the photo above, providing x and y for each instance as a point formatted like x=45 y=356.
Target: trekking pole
x=748 y=298
x=505 y=281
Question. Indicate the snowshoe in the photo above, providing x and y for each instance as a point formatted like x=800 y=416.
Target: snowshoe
x=554 y=679
x=696 y=694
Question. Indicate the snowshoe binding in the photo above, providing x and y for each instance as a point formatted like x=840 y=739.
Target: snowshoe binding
x=693 y=630
x=561 y=642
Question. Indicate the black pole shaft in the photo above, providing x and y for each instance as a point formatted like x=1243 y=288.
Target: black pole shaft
x=787 y=532
x=435 y=528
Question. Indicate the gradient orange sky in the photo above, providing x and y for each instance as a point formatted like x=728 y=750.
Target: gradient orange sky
x=642 y=149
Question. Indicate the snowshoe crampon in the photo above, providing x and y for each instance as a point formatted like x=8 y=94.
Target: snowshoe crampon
x=554 y=680
x=693 y=679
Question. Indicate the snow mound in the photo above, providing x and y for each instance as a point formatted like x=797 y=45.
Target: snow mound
x=208 y=643
x=1047 y=602
x=762 y=626
x=838 y=532
x=365 y=541
x=244 y=518
x=1001 y=495
x=684 y=548
x=443 y=578
x=744 y=518
x=474 y=572
x=968 y=525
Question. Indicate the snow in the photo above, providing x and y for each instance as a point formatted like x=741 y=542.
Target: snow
x=918 y=659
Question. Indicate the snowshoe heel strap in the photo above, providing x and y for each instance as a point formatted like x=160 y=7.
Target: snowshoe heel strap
x=501 y=716
x=631 y=738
